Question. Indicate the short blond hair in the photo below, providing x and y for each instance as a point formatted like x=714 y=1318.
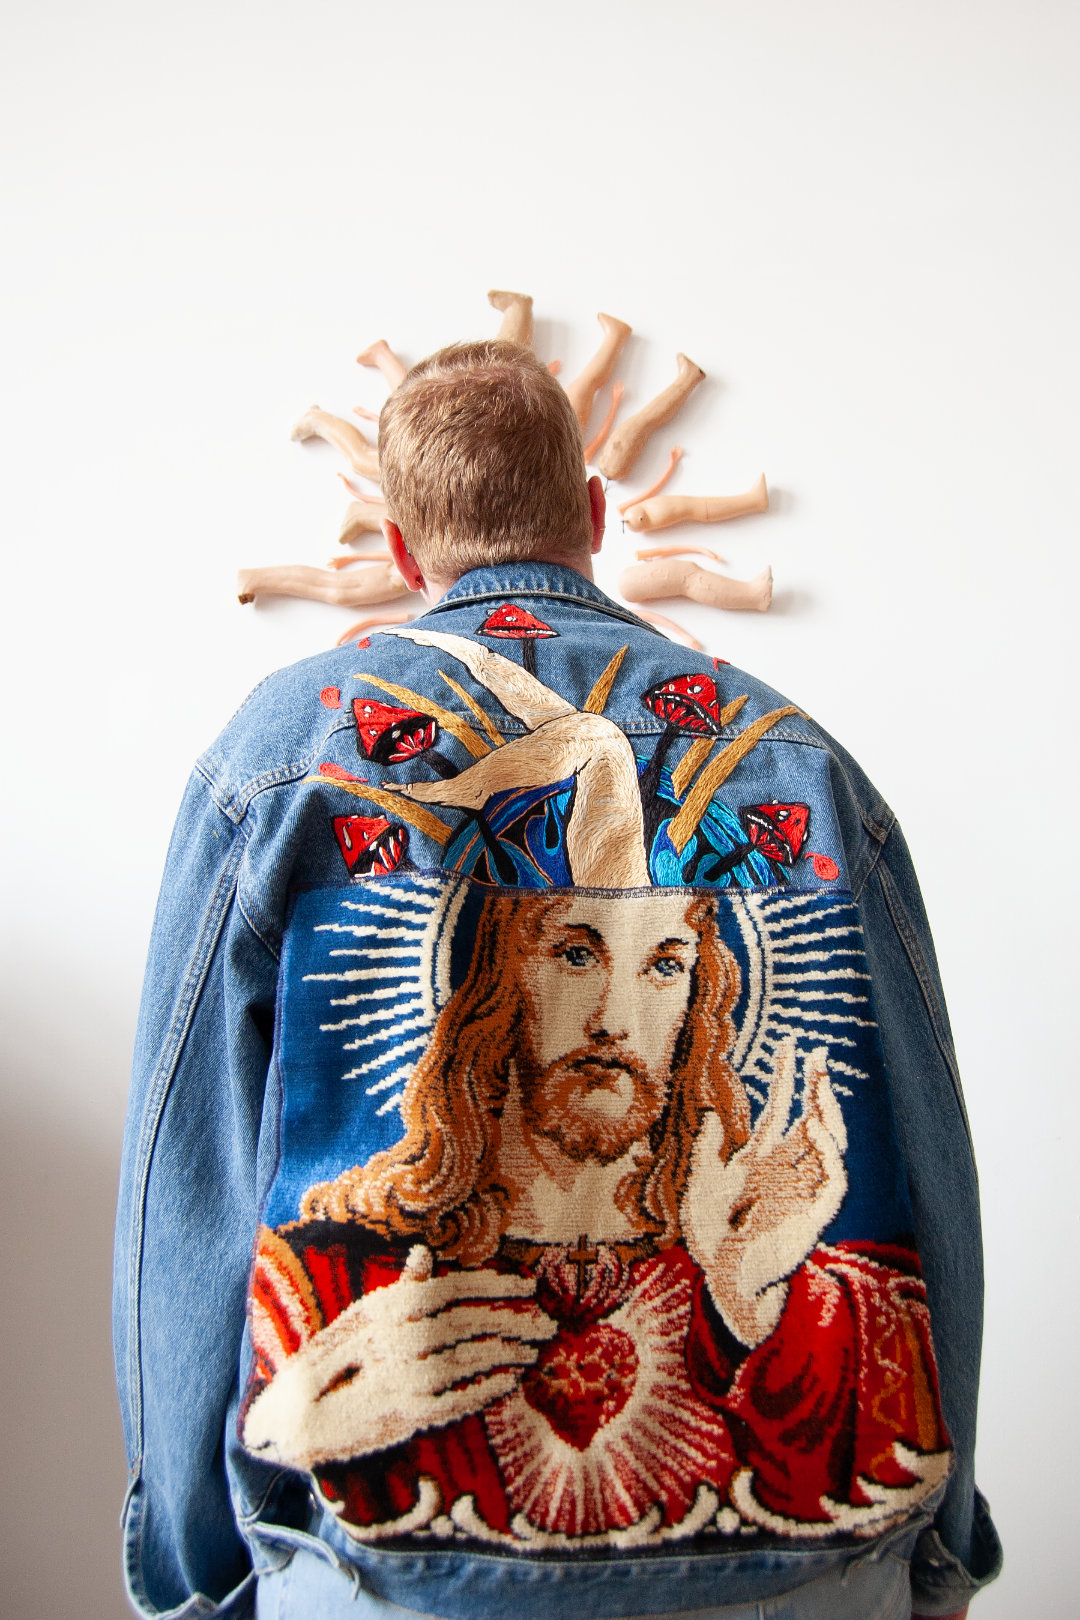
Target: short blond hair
x=482 y=461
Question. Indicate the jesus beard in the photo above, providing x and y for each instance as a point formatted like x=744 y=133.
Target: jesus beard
x=555 y=1102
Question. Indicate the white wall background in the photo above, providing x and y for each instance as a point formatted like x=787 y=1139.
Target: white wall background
x=860 y=219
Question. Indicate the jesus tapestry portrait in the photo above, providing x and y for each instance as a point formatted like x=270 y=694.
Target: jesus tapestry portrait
x=601 y=1237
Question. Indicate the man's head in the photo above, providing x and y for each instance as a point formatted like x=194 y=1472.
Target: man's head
x=481 y=462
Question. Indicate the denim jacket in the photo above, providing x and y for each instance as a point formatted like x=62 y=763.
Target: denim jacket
x=547 y=1184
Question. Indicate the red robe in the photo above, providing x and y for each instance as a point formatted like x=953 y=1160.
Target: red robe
x=644 y=1417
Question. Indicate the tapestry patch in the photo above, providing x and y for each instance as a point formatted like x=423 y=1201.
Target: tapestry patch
x=590 y=1227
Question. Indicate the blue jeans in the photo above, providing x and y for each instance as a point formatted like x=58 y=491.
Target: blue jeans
x=309 y=1588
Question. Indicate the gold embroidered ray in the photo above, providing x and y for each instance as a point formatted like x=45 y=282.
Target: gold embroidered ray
x=485 y=719
x=701 y=748
x=685 y=824
x=393 y=804
x=453 y=723
x=596 y=701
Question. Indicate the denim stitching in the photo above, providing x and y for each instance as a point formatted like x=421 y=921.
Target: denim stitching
x=132 y=1545
x=300 y=1541
x=919 y=967
x=247 y=791
x=244 y=906
x=858 y=887
x=197 y=1604
x=190 y=993
x=240 y=801
x=244 y=703
x=447 y=605
x=948 y=1573
x=622 y=1573
x=878 y=830
x=236 y=805
x=249 y=1517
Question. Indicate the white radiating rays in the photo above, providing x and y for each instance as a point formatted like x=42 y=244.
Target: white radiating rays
x=386 y=959
x=808 y=978
x=392 y=933
x=365 y=1020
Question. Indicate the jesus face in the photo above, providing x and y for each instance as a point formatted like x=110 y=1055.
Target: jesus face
x=606 y=988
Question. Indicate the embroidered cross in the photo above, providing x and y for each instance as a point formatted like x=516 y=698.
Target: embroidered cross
x=583 y=1257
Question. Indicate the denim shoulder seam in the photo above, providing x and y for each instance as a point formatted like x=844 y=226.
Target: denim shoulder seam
x=158 y=1092
x=879 y=830
x=919 y=966
x=242 y=705
x=220 y=799
x=879 y=839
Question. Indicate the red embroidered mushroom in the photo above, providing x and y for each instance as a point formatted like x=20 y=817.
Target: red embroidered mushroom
x=370 y=845
x=512 y=623
x=388 y=735
x=777 y=830
x=689 y=706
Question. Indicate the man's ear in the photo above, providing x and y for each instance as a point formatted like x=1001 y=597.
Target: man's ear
x=404 y=560
x=597 y=510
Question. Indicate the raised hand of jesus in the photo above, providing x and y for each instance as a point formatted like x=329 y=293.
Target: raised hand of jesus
x=751 y=1222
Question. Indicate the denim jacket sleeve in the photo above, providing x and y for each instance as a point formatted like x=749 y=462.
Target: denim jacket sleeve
x=960 y=1552
x=188 y=1189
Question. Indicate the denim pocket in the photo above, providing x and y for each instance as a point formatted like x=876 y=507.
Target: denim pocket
x=275 y=1544
x=940 y=1580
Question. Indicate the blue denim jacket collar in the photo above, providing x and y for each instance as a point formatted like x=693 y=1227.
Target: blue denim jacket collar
x=549 y=579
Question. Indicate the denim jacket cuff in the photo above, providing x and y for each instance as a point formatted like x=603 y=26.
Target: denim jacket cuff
x=237 y=1604
x=940 y=1583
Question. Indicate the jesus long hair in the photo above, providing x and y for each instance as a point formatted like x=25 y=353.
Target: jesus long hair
x=440 y=1182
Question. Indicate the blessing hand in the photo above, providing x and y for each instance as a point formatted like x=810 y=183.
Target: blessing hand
x=419 y=1353
x=750 y=1223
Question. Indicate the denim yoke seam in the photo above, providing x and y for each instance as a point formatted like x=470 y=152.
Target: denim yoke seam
x=235 y=807
x=161 y=1085
x=920 y=967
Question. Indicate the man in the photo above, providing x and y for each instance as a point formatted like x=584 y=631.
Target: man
x=602 y=1145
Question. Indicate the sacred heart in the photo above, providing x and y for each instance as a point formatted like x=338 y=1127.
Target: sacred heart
x=582 y=1380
